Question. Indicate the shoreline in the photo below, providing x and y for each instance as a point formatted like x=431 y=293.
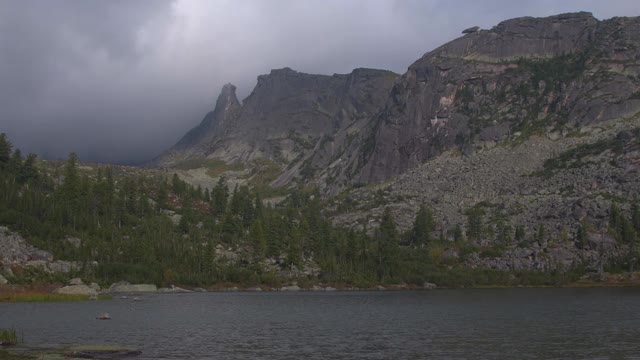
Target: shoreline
x=45 y=293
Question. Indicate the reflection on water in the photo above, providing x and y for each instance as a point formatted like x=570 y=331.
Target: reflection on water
x=442 y=324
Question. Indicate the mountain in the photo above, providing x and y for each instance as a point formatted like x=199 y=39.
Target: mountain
x=528 y=131
x=299 y=122
x=525 y=75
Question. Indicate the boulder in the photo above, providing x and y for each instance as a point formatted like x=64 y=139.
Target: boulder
x=95 y=286
x=471 y=30
x=104 y=316
x=199 y=289
x=76 y=290
x=125 y=286
x=60 y=266
x=329 y=288
x=173 y=289
x=429 y=286
x=563 y=258
x=41 y=255
x=74 y=241
x=3 y=281
x=42 y=264
x=76 y=281
x=290 y=288
x=175 y=218
x=600 y=241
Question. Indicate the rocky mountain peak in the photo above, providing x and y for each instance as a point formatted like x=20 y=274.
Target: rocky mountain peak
x=215 y=123
x=227 y=100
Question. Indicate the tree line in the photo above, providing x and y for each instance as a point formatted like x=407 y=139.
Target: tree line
x=150 y=227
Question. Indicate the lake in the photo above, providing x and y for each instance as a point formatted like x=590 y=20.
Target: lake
x=522 y=323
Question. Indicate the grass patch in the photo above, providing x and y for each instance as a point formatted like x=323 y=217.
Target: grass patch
x=8 y=336
x=219 y=169
x=214 y=167
x=4 y=355
x=45 y=297
x=265 y=170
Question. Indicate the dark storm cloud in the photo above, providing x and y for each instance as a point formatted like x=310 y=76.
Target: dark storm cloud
x=123 y=80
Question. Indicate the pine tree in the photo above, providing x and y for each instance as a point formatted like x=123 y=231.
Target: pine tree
x=235 y=206
x=423 y=226
x=388 y=246
x=581 y=237
x=5 y=150
x=616 y=221
x=635 y=216
x=220 y=196
x=294 y=252
x=458 y=235
x=28 y=171
x=163 y=196
x=475 y=220
x=257 y=236
x=177 y=186
x=15 y=162
x=504 y=232
x=258 y=207
x=628 y=233
x=71 y=190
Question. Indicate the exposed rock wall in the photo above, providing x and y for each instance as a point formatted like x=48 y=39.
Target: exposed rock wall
x=525 y=74
x=15 y=251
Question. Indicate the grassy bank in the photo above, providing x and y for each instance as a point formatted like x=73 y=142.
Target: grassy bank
x=4 y=355
x=45 y=297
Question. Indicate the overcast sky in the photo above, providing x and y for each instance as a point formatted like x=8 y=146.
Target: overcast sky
x=122 y=80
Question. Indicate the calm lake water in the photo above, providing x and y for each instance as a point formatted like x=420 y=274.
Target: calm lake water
x=443 y=324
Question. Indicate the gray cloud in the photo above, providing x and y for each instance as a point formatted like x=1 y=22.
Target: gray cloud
x=123 y=80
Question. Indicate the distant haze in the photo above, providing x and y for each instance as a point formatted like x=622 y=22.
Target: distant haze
x=122 y=80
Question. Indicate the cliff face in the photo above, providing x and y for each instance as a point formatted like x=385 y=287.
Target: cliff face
x=298 y=121
x=524 y=75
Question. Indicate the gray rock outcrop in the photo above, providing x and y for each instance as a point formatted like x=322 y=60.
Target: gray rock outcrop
x=290 y=288
x=76 y=290
x=15 y=251
x=126 y=287
x=76 y=281
x=173 y=289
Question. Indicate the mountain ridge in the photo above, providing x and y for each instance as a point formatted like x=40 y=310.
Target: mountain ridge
x=524 y=74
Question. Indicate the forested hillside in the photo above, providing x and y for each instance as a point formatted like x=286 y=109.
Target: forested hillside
x=144 y=225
